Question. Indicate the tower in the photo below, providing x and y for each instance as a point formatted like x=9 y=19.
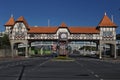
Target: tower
x=107 y=34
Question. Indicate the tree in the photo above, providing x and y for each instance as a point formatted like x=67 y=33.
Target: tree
x=5 y=42
x=89 y=48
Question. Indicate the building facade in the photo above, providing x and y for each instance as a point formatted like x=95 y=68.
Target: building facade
x=21 y=32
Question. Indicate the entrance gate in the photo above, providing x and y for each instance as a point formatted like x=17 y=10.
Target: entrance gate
x=63 y=44
x=20 y=31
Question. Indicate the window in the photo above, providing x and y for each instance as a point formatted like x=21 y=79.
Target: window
x=107 y=33
x=31 y=35
x=19 y=29
x=20 y=26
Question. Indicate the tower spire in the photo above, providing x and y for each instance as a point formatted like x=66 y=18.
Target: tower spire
x=106 y=22
x=12 y=15
x=105 y=14
x=112 y=18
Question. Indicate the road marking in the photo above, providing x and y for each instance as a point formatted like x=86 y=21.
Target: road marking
x=43 y=63
x=96 y=75
x=92 y=72
x=79 y=64
x=40 y=64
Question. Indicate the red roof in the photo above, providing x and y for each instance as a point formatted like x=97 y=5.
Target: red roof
x=10 y=22
x=42 y=29
x=71 y=29
x=83 y=30
x=106 y=22
x=22 y=19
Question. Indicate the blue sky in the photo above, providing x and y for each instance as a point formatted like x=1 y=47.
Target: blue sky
x=72 y=12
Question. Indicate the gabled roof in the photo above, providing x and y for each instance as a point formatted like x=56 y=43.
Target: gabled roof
x=42 y=29
x=22 y=19
x=106 y=22
x=83 y=30
x=10 y=22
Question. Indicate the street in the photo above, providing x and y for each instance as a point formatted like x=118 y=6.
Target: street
x=47 y=69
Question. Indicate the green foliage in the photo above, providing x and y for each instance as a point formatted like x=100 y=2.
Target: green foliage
x=4 y=41
x=89 y=48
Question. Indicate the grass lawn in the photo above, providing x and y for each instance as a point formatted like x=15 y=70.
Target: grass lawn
x=62 y=58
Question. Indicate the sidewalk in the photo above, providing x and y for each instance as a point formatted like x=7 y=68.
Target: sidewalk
x=111 y=60
x=12 y=59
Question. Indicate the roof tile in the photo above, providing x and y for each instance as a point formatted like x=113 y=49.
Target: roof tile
x=42 y=29
x=10 y=22
x=83 y=30
x=106 y=22
x=71 y=29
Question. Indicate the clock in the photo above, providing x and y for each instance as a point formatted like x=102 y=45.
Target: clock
x=63 y=36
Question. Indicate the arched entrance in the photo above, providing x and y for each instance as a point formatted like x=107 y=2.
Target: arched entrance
x=14 y=47
x=108 y=49
x=84 y=48
x=40 y=48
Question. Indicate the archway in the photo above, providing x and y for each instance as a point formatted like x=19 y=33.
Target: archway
x=84 y=48
x=16 y=44
x=41 y=48
x=17 y=50
x=108 y=50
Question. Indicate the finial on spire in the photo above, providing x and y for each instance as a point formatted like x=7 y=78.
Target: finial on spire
x=12 y=15
x=112 y=18
x=105 y=14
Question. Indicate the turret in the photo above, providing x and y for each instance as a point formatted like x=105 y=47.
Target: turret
x=107 y=28
x=9 y=24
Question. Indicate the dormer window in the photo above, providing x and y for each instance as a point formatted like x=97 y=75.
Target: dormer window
x=20 y=26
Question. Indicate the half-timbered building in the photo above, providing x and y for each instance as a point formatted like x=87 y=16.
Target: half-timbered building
x=21 y=32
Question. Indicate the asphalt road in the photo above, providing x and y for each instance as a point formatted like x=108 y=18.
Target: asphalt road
x=47 y=69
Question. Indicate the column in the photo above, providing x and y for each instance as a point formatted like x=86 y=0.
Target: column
x=12 y=50
x=16 y=51
x=29 y=49
x=115 y=53
x=97 y=49
x=26 y=49
x=111 y=50
x=100 y=52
